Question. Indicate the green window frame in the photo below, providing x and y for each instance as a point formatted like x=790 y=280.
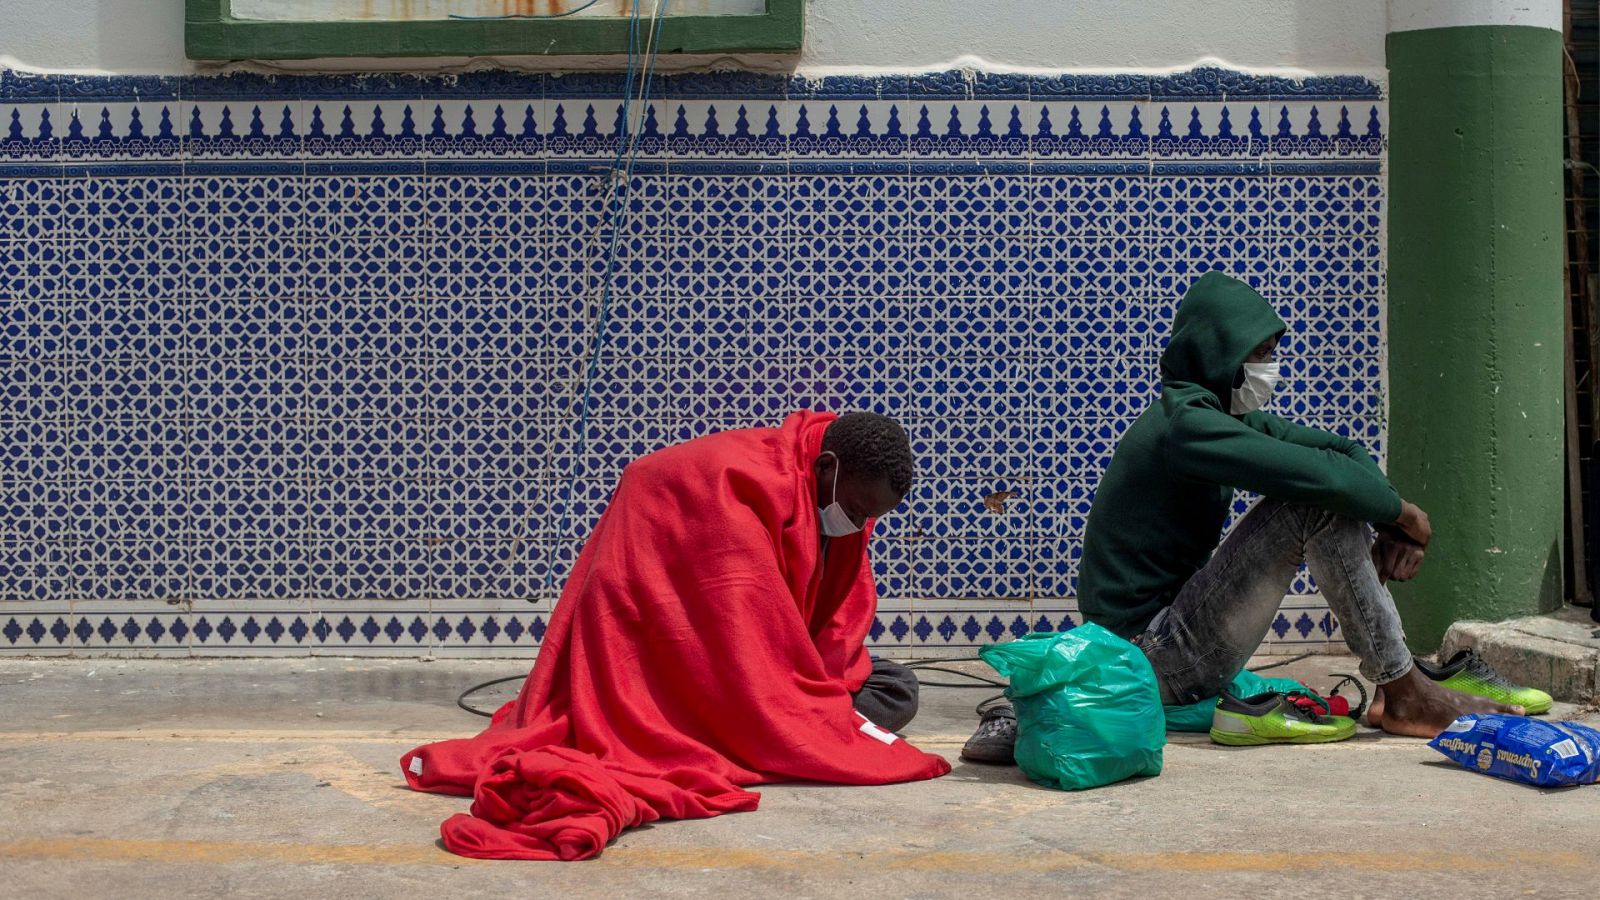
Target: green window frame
x=211 y=32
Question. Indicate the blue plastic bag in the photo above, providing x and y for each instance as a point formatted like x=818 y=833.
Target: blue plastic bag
x=1547 y=754
x=1088 y=711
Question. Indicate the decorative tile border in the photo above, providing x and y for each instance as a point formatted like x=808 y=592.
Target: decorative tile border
x=1186 y=123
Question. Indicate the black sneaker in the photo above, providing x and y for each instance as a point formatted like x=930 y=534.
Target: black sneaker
x=996 y=738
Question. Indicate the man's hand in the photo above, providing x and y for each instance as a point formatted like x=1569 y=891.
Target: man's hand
x=1414 y=524
x=1397 y=554
x=1396 y=557
x=1408 y=562
x=1400 y=549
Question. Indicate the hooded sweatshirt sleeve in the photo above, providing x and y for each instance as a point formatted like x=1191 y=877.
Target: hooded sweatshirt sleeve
x=1206 y=444
x=1315 y=438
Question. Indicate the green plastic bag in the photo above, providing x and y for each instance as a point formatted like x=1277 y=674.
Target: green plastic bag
x=1197 y=716
x=1088 y=711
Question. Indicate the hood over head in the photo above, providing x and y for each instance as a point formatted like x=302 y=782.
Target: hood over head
x=1220 y=320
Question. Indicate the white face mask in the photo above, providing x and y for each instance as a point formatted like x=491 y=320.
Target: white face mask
x=835 y=521
x=1259 y=380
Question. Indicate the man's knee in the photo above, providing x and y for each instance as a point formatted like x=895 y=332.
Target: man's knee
x=1342 y=527
x=889 y=696
x=1316 y=521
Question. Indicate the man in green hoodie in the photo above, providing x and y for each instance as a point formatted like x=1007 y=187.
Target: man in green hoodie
x=1149 y=572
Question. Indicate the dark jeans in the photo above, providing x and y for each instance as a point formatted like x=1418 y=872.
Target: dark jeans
x=1217 y=621
x=889 y=697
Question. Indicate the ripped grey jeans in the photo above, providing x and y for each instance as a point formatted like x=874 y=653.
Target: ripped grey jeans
x=1222 y=614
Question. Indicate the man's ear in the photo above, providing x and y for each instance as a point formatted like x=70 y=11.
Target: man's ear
x=823 y=467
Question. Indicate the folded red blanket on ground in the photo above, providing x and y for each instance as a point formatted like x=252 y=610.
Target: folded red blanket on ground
x=700 y=645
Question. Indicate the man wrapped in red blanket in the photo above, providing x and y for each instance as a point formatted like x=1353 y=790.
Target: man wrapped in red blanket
x=711 y=636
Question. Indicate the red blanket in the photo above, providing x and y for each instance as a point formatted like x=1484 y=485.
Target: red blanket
x=699 y=646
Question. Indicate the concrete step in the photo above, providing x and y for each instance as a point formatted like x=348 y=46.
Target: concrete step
x=1558 y=653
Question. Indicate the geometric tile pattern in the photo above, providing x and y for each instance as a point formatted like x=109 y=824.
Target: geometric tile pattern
x=292 y=364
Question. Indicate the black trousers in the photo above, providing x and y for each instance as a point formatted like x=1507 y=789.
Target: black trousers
x=889 y=696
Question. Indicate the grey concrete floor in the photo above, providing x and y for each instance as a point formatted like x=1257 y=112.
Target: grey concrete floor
x=277 y=778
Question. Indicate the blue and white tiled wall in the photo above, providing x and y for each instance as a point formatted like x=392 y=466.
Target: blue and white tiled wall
x=291 y=365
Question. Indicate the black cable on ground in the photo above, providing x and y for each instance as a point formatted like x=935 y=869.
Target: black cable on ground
x=1361 y=706
x=937 y=665
x=931 y=665
x=1282 y=662
x=461 y=699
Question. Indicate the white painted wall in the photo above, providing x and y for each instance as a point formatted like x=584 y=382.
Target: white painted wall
x=146 y=36
x=1413 y=15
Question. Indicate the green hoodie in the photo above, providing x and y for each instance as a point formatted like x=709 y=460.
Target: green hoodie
x=1161 y=505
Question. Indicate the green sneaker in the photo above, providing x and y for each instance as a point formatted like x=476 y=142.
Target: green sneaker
x=1468 y=673
x=1274 y=718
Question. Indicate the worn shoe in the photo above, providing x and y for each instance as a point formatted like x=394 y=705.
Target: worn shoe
x=1274 y=718
x=995 y=740
x=1468 y=673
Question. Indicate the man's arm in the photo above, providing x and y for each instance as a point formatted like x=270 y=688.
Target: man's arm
x=1209 y=445
x=1306 y=436
x=1399 y=550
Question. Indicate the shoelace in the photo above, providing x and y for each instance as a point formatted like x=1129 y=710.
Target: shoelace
x=1480 y=669
x=996 y=727
x=993 y=723
x=1313 y=709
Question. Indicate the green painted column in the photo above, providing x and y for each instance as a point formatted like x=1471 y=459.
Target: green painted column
x=1475 y=295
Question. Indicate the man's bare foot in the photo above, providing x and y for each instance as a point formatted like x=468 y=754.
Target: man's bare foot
x=1414 y=706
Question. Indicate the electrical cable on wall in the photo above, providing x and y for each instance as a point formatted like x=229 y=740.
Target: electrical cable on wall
x=619 y=181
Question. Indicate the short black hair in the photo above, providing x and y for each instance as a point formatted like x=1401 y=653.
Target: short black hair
x=871 y=446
